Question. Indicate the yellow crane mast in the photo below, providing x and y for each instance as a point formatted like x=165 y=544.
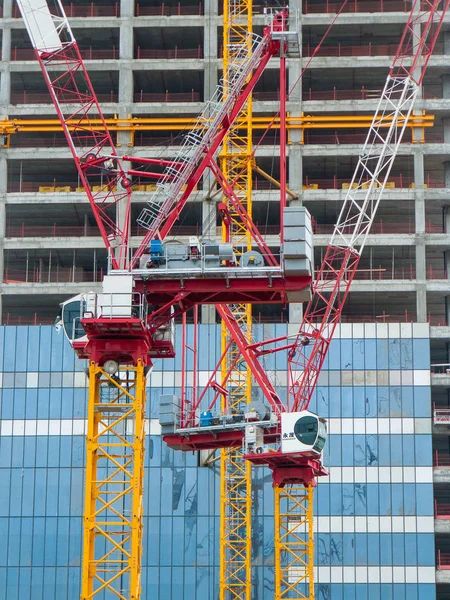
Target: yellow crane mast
x=235 y=472
x=112 y=548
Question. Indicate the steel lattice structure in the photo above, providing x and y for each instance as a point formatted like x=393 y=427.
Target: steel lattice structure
x=235 y=472
x=114 y=479
x=358 y=211
x=294 y=538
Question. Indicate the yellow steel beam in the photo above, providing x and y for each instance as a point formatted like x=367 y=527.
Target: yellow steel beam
x=112 y=545
x=276 y=183
x=136 y=124
x=294 y=542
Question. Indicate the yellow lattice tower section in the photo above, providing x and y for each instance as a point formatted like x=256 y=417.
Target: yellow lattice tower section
x=114 y=484
x=294 y=542
x=236 y=500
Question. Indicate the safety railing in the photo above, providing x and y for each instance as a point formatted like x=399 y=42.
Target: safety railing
x=440 y=369
x=331 y=183
x=270 y=96
x=436 y=272
x=311 y=7
x=26 y=97
x=55 y=140
x=191 y=96
x=93 y=9
x=117 y=304
x=441 y=459
x=398 y=181
x=53 y=274
x=443 y=561
x=438 y=320
x=337 y=137
x=166 y=10
x=211 y=264
x=25 y=231
x=45 y=231
x=35 y=319
x=383 y=273
x=59 y=187
x=363 y=93
x=441 y=510
x=341 y=50
x=87 y=53
x=441 y=415
x=382 y=227
x=172 y=53
x=382 y=317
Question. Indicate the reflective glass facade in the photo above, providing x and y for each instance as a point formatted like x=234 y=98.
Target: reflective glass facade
x=374 y=513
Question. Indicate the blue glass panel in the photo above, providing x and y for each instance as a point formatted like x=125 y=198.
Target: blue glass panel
x=7 y=404
x=424 y=499
x=9 y=356
x=31 y=403
x=382 y=354
x=422 y=401
x=421 y=353
x=425 y=549
x=358 y=354
x=423 y=450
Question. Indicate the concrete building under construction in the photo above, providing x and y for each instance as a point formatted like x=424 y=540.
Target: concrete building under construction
x=383 y=514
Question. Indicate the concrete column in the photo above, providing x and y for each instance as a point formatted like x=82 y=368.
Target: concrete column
x=447 y=263
x=8 y=6
x=210 y=49
x=447 y=309
x=447 y=174
x=446 y=36
x=419 y=211
x=5 y=87
x=421 y=303
x=446 y=129
x=126 y=55
x=295 y=312
x=6 y=43
x=208 y=313
x=295 y=173
x=446 y=218
x=445 y=86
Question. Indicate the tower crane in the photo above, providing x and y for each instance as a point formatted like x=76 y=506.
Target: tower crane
x=122 y=330
x=288 y=438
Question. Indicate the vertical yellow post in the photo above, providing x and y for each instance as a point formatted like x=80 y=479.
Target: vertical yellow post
x=294 y=542
x=112 y=546
x=236 y=490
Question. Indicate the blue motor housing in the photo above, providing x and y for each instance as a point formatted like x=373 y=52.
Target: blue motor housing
x=156 y=250
x=206 y=419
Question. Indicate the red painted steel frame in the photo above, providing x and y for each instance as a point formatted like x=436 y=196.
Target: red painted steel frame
x=92 y=148
x=283 y=174
x=338 y=268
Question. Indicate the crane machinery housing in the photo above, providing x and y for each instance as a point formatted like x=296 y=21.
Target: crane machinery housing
x=122 y=330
